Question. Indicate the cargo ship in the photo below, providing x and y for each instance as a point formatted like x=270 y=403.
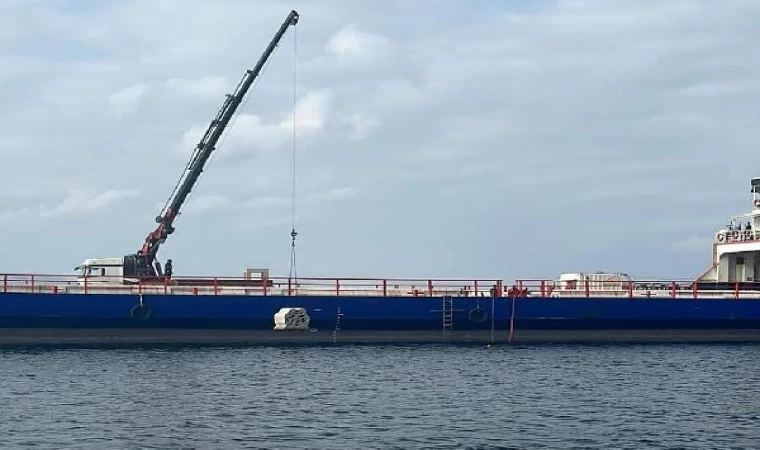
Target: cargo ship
x=135 y=299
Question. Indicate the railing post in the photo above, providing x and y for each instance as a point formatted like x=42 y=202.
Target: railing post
x=216 y=286
x=337 y=286
x=673 y=289
x=500 y=287
x=694 y=289
x=166 y=285
x=475 y=286
x=736 y=289
x=139 y=286
x=85 y=283
x=630 y=289
x=266 y=284
x=5 y=283
x=543 y=288
x=586 y=284
x=290 y=286
x=430 y=288
x=32 y=284
x=385 y=288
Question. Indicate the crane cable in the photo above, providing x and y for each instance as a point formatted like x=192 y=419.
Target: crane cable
x=293 y=273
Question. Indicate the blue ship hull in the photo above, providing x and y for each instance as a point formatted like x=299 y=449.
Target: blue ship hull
x=71 y=318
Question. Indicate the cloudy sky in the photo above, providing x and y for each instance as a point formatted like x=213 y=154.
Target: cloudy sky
x=434 y=139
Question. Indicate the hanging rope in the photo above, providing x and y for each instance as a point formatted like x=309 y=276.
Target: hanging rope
x=293 y=274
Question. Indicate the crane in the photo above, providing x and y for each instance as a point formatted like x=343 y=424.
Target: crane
x=143 y=263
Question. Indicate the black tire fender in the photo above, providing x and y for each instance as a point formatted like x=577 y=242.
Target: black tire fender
x=141 y=311
x=478 y=315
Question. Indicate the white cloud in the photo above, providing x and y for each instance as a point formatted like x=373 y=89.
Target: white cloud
x=84 y=201
x=353 y=43
x=311 y=112
x=392 y=95
x=209 y=87
x=428 y=155
x=248 y=135
x=360 y=125
x=713 y=89
x=204 y=203
x=128 y=98
x=77 y=202
x=267 y=202
x=337 y=194
x=693 y=244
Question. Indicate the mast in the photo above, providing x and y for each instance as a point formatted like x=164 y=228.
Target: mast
x=141 y=263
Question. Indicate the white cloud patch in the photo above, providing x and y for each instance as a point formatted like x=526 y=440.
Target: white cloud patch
x=427 y=155
x=206 y=88
x=77 y=202
x=311 y=112
x=353 y=43
x=267 y=202
x=714 y=89
x=360 y=125
x=693 y=244
x=128 y=98
x=338 y=194
x=86 y=201
x=248 y=135
x=205 y=203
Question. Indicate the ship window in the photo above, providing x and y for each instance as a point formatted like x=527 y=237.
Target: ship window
x=96 y=271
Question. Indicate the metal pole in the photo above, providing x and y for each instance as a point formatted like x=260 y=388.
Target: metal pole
x=493 y=317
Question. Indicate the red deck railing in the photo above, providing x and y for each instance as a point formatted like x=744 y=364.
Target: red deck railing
x=590 y=288
x=385 y=287
x=73 y=284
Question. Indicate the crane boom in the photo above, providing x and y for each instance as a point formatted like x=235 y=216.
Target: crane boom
x=141 y=263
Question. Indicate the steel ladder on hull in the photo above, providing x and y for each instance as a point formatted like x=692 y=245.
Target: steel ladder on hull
x=447 y=313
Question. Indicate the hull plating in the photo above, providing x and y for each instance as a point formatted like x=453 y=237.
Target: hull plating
x=62 y=318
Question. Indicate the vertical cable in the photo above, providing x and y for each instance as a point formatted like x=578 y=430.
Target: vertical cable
x=293 y=273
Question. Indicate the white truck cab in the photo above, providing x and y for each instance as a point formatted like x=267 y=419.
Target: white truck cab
x=104 y=271
x=101 y=271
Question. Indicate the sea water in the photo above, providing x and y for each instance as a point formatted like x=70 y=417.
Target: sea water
x=426 y=396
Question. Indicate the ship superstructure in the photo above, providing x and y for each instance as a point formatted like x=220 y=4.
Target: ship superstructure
x=736 y=250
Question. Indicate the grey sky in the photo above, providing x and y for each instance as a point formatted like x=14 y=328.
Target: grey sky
x=435 y=139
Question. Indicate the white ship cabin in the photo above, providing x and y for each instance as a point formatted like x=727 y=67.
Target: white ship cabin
x=736 y=250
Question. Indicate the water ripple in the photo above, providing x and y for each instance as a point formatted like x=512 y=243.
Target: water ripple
x=659 y=396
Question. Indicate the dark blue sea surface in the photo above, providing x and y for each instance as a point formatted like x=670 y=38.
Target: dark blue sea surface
x=543 y=396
